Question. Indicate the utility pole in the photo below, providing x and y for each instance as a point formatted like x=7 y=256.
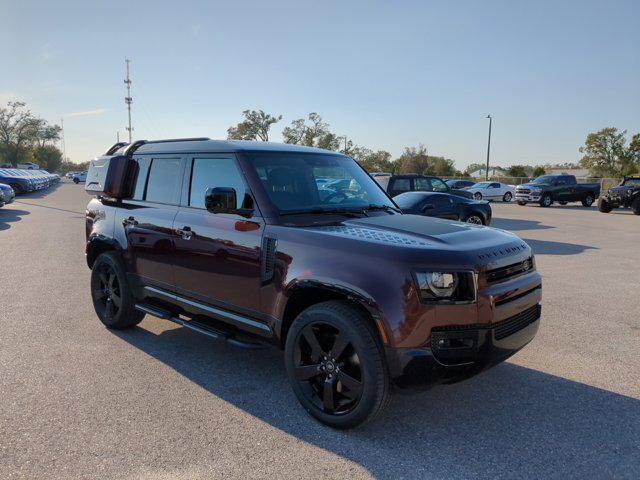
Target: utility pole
x=345 y=144
x=64 y=147
x=486 y=175
x=117 y=136
x=128 y=98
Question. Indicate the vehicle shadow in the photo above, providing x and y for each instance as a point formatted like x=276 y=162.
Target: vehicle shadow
x=513 y=224
x=509 y=422
x=547 y=247
x=9 y=216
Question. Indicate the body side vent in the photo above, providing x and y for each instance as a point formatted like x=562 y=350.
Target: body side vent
x=268 y=264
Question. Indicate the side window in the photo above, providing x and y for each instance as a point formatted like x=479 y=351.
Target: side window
x=141 y=179
x=164 y=181
x=215 y=172
x=423 y=184
x=494 y=185
x=402 y=185
x=438 y=185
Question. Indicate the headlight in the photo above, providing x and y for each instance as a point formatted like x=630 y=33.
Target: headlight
x=446 y=287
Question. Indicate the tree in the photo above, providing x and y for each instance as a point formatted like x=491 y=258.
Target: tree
x=48 y=157
x=516 y=171
x=255 y=126
x=607 y=155
x=18 y=128
x=416 y=160
x=313 y=134
x=474 y=167
x=538 y=171
x=371 y=161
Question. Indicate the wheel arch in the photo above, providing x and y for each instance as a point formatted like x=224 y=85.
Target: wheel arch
x=307 y=293
x=97 y=245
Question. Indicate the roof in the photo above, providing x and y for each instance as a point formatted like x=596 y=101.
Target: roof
x=208 y=145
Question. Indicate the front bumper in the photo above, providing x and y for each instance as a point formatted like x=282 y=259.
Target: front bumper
x=460 y=353
x=528 y=197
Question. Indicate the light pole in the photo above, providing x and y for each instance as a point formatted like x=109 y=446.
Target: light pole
x=486 y=173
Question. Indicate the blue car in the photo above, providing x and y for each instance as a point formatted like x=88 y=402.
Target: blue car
x=6 y=194
x=19 y=182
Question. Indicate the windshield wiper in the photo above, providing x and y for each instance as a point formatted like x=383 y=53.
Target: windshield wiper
x=325 y=211
x=385 y=208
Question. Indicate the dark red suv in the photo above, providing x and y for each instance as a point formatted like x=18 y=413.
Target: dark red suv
x=258 y=243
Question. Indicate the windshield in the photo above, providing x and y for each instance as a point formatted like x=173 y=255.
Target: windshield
x=544 y=179
x=631 y=182
x=482 y=185
x=307 y=182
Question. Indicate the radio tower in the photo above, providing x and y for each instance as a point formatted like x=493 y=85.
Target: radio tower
x=128 y=99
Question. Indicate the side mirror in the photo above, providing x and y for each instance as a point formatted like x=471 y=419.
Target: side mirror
x=427 y=206
x=220 y=200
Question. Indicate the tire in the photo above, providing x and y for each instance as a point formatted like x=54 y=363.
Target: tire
x=546 y=200
x=604 y=206
x=325 y=395
x=507 y=197
x=635 y=206
x=477 y=196
x=563 y=203
x=474 y=219
x=17 y=189
x=76 y=181
x=521 y=203
x=587 y=201
x=108 y=283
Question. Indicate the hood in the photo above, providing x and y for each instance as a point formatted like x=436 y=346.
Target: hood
x=478 y=244
x=532 y=185
x=619 y=189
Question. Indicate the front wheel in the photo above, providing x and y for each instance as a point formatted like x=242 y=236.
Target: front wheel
x=587 y=201
x=477 y=196
x=635 y=206
x=112 y=297
x=336 y=365
x=17 y=189
x=507 y=197
x=521 y=203
x=474 y=219
x=76 y=181
x=604 y=206
x=546 y=200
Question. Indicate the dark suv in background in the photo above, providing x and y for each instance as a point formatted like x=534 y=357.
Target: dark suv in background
x=625 y=195
x=249 y=242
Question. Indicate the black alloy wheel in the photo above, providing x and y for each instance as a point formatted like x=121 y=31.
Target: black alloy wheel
x=106 y=292
x=507 y=197
x=336 y=366
x=546 y=200
x=587 y=201
x=477 y=196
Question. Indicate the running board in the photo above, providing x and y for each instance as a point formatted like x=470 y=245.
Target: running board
x=198 y=326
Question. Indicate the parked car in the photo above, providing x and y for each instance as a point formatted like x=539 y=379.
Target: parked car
x=19 y=183
x=70 y=175
x=443 y=205
x=459 y=184
x=492 y=191
x=625 y=195
x=557 y=188
x=398 y=184
x=79 y=177
x=234 y=240
x=6 y=194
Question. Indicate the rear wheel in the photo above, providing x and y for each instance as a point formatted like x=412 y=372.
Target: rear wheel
x=546 y=200
x=521 y=203
x=17 y=189
x=477 y=196
x=76 y=181
x=336 y=365
x=635 y=206
x=475 y=219
x=587 y=201
x=112 y=297
x=604 y=206
x=507 y=197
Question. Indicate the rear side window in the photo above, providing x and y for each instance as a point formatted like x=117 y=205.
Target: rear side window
x=141 y=179
x=164 y=181
x=402 y=185
x=215 y=172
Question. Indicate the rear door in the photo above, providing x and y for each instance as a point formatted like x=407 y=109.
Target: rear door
x=146 y=220
x=217 y=256
x=564 y=192
x=399 y=185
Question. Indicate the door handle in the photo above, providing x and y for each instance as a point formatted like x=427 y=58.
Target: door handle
x=129 y=222
x=185 y=233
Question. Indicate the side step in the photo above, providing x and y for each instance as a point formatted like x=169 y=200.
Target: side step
x=198 y=326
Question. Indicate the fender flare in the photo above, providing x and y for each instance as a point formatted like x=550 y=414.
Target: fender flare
x=97 y=244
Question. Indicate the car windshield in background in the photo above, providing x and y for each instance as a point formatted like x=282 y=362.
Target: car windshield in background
x=632 y=182
x=482 y=185
x=544 y=179
x=316 y=182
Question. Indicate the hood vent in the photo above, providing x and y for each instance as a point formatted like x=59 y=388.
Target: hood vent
x=373 y=235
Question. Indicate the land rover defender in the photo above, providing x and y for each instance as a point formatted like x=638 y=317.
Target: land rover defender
x=257 y=243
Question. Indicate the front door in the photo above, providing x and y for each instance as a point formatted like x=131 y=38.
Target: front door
x=217 y=256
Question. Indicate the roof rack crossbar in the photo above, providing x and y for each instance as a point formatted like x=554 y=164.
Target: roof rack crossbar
x=170 y=140
x=115 y=147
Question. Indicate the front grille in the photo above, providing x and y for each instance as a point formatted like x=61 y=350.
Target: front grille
x=523 y=190
x=509 y=271
x=517 y=322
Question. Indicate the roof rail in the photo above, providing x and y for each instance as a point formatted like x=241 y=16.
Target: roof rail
x=194 y=139
x=115 y=147
x=133 y=147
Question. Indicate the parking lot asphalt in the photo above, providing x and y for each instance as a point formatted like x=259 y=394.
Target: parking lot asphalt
x=80 y=401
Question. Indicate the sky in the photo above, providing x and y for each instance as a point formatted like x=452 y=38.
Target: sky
x=386 y=74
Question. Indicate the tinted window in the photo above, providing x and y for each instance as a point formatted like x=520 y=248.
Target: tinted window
x=215 y=172
x=141 y=179
x=164 y=180
x=402 y=185
x=632 y=182
x=495 y=185
x=440 y=201
x=430 y=185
